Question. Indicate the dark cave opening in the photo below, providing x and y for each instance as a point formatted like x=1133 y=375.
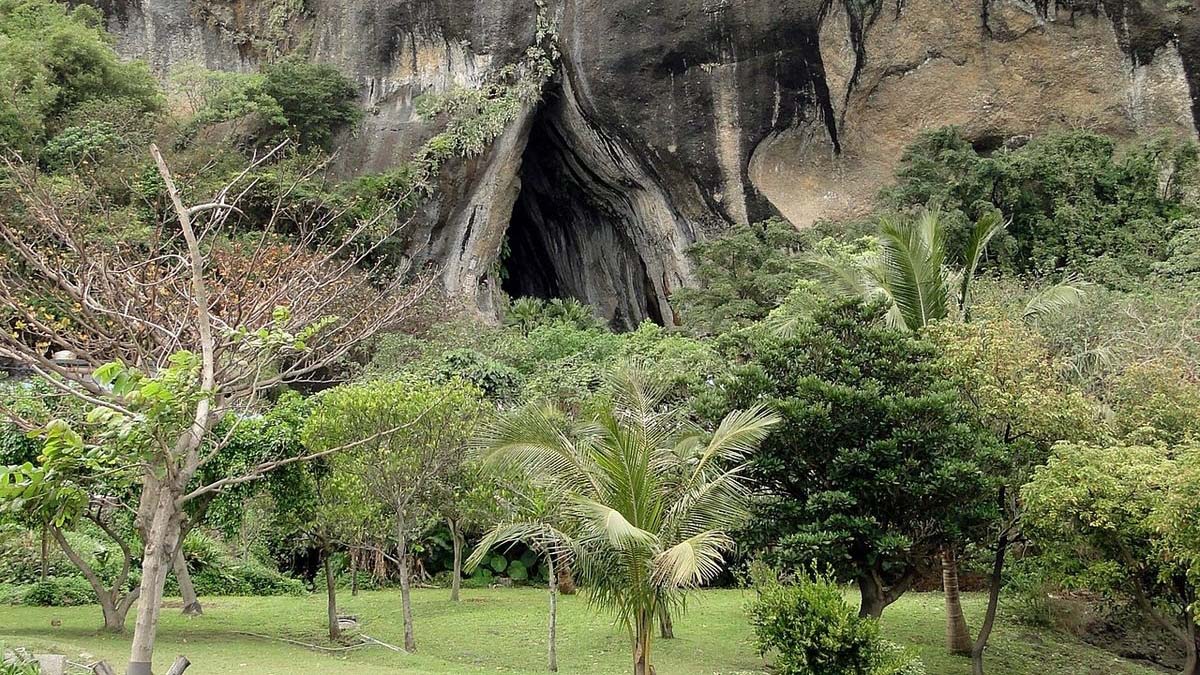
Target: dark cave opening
x=572 y=233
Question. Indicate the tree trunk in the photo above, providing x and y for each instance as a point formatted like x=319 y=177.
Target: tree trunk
x=566 y=580
x=191 y=603
x=181 y=664
x=666 y=629
x=45 y=552
x=114 y=612
x=958 y=635
x=410 y=642
x=353 y=573
x=335 y=631
x=456 y=574
x=1191 y=665
x=876 y=595
x=114 y=619
x=643 y=632
x=989 y=618
x=161 y=534
x=873 y=602
x=552 y=650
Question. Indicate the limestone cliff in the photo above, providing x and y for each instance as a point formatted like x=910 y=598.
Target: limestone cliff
x=669 y=119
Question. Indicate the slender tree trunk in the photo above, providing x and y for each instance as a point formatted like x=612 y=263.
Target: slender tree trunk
x=410 y=642
x=989 y=618
x=552 y=649
x=353 y=572
x=191 y=603
x=958 y=635
x=161 y=536
x=114 y=611
x=666 y=629
x=456 y=574
x=45 y=552
x=335 y=631
x=643 y=632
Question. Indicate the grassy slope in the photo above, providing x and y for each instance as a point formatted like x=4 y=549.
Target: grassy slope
x=504 y=631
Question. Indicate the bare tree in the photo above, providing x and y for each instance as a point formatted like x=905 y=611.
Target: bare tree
x=251 y=308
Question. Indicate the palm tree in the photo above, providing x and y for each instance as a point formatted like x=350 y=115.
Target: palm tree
x=910 y=273
x=648 y=499
x=538 y=523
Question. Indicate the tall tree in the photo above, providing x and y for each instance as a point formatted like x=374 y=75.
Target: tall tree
x=911 y=275
x=181 y=326
x=408 y=434
x=874 y=467
x=1008 y=376
x=650 y=500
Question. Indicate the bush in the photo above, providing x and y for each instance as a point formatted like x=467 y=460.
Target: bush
x=59 y=592
x=245 y=578
x=21 y=560
x=316 y=99
x=812 y=630
x=11 y=594
x=54 y=59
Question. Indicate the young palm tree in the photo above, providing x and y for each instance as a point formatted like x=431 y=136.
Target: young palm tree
x=648 y=499
x=538 y=522
x=911 y=273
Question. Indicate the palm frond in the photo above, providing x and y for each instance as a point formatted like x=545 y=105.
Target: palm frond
x=540 y=536
x=692 y=561
x=991 y=223
x=738 y=434
x=610 y=525
x=913 y=275
x=1054 y=301
x=839 y=278
x=539 y=441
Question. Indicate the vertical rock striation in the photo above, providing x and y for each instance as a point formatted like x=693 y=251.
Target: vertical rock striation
x=670 y=119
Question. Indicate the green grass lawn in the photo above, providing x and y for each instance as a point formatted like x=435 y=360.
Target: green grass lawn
x=504 y=631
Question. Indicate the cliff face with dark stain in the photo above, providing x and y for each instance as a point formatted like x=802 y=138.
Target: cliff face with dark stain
x=669 y=119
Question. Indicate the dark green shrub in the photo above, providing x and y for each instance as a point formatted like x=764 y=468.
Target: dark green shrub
x=59 y=592
x=316 y=99
x=79 y=145
x=494 y=378
x=812 y=630
x=1078 y=202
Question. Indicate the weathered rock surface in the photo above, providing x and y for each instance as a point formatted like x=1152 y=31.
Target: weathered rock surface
x=669 y=119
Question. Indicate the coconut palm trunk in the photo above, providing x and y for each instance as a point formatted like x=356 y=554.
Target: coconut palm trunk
x=552 y=648
x=958 y=635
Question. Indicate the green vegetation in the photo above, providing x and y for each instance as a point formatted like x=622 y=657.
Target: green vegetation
x=250 y=394
x=54 y=61
x=490 y=632
x=812 y=629
x=1075 y=202
x=875 y=465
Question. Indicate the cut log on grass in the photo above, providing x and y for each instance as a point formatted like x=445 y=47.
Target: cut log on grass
x=51 y=664
x=102 y=668
x=181 y=664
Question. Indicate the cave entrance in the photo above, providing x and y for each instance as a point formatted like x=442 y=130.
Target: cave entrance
x=570 y=234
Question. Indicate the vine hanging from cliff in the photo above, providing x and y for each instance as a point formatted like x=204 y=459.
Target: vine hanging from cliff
x=475 y=116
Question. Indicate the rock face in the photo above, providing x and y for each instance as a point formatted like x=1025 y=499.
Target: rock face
x=670 y=119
